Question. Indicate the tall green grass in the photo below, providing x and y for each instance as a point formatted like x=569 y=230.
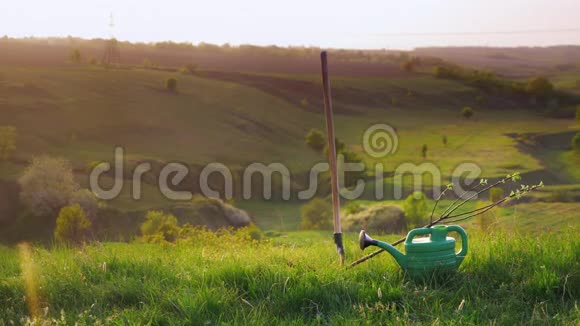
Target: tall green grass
x=293 y=279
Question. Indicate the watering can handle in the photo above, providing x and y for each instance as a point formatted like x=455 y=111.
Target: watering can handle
x=463 y=252
x=416 y=232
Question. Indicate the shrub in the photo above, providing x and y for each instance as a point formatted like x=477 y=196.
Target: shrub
x=445 y=140
x=171 y=85
x=316 y=215
x=424 y=151
x=315 y=140
x=540 y=87
x=576 y=143
x=47 y=185
x=415 y=208
x=377 y=218
x=7 y=141
x=72 y=225
x=467 y=112
x=161 y=225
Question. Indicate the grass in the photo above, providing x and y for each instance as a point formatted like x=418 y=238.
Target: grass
x=505 y=279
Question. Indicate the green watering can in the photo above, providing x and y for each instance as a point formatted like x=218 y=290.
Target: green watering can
x=428 y=255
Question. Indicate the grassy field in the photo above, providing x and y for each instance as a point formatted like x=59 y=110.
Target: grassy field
x=506 y=278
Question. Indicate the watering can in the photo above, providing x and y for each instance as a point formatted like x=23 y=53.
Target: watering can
x=425 y=256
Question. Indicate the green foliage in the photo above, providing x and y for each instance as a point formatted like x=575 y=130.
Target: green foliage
x=159 y=225
x=75 y=56
x=576 y=143
x=316 y=215
x=72 y=225
x=424 y=151
x=496 y=194
x=540 y=87
x=315 y=139
x=171 y=85
x=7 y=141
x=340 y=147
x=415 y=208
x=467 y=112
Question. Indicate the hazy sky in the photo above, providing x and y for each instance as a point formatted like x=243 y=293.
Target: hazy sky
x=347 y=24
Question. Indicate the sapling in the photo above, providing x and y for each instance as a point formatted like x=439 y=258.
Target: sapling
x=449 y=215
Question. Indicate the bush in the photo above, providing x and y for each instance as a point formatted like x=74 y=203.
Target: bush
x=316 y=215
x=424 y=151
x=47 y=185
x=159 y=225
x=540 y=87
x=315 y=140
x=171 y=85
x=377 y=219
x=7 y=141
x=72 y=225
x=576 y=143
x=467 y=112
x=444 y=140
x=415 y=208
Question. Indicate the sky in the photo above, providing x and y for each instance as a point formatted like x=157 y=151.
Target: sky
x=331 y=24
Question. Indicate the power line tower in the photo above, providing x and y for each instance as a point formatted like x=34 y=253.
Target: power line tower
x=112 y=53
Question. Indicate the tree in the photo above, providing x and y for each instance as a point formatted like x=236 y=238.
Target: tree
x=424 y=151
x=316 y=215
x=159 y=224
x=540 y=87
x=71 y=224
x=7 y=141
x=171 y=85
x=315 y=140
x=467 y=112
x=47 y=185
x=445 y=140
x=75 y=56
x=415 y=207
x=576 y=143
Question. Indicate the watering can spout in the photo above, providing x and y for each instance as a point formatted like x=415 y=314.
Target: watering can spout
x=366 y=241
